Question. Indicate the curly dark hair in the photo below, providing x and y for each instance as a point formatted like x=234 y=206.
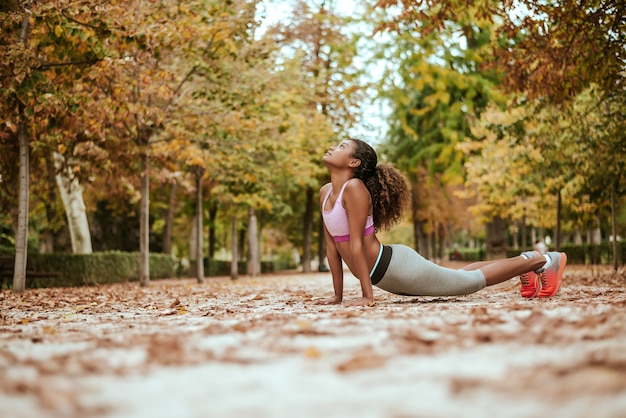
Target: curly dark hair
x=388 y=187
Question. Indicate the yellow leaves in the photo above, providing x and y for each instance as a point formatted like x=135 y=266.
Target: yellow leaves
x=49 y=49
x=312 y=353
x=195 y=161
x=58 y=31
x=249 y=177
x=48 y=330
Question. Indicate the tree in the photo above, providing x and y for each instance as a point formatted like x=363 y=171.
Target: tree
x=316 y=39
x=436 y=88
x=543 y=49
x=161 y=49
x=598 y=143
x=542 y=52
x=27 y=103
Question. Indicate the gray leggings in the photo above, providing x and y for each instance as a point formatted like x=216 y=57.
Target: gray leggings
x=411 y=274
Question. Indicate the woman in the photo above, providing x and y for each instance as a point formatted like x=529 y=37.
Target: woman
x=362 y=197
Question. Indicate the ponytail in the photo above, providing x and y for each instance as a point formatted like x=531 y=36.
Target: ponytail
x=387 y=186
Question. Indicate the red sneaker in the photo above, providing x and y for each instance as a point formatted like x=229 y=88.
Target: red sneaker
x=551 y=276
x=531 y=285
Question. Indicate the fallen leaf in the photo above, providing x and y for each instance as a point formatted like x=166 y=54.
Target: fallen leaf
x=49 y=330
x=361 y=361
x=312 y=352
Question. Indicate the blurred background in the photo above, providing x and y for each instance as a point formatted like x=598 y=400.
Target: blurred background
x=165 y=138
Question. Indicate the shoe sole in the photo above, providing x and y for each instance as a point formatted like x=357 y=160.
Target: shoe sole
x=559 y=276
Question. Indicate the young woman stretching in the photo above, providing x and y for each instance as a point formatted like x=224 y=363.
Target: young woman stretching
x=363 y=197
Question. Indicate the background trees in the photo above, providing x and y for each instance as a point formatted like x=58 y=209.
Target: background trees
x=178 y=120
x=538 y=56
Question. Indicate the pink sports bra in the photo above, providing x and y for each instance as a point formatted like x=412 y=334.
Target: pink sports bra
x=336 y=219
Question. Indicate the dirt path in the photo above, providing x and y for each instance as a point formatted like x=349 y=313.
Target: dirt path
x=258 y=348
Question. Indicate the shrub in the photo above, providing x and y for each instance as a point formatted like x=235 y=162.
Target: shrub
x=96 y=268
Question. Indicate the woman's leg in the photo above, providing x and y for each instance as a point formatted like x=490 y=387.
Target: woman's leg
x=478 y=265
x=498 y=271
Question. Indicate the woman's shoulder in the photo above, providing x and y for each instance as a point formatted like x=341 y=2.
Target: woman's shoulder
x=355 y=189
x=324 y=189
x=355 y=185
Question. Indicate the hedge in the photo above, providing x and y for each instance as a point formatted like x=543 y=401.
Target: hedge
x=95 y=268
x=222 y=268
x=117 y=267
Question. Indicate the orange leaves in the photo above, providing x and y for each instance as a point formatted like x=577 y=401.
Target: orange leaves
x=362 y=360
x=75 y=347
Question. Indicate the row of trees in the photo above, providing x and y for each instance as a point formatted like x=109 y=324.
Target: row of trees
x=119 y=101
x=517 y=108
x=174 y=115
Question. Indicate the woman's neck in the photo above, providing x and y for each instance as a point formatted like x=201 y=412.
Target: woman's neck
x=338 y=178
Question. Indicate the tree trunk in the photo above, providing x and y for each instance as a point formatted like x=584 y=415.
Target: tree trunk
x=234 y=270
x=75 y=210
x=241 y=242
x=46 y=238
x=21 y=241
x=169 y=219
x=595 y=239
x=525 y=245
x=614 y=229
x=321 y=247
x=307 y=231
x=595 y=235
x=416 y=224
x=420 y=240
x=496 y=239
x=254 y=263
x=441 y=242
x=193 y=248
x=557 y=238
x=144 y=228
x=432 y=251
x=21 y=235
x=515 y=238
x=212 y=238
x=578 y=238
x=199 y=172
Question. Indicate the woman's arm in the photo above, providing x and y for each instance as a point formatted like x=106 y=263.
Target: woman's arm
x=357 y=202
x=335 y=266
x=334 y=260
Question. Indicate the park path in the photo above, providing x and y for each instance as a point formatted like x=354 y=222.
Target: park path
x=257 y=347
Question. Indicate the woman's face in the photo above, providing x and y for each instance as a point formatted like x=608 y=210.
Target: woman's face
x=340 y=155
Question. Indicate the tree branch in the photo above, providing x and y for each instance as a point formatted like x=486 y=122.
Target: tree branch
x=47 y=65
x=71 y=19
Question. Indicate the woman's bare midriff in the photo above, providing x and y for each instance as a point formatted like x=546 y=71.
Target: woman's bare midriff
x=372 y=248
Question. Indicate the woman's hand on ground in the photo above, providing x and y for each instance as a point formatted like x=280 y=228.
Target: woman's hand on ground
x=331 y=301
x=360 y=302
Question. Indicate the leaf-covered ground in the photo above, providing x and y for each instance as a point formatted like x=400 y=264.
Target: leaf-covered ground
x=258 y=347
